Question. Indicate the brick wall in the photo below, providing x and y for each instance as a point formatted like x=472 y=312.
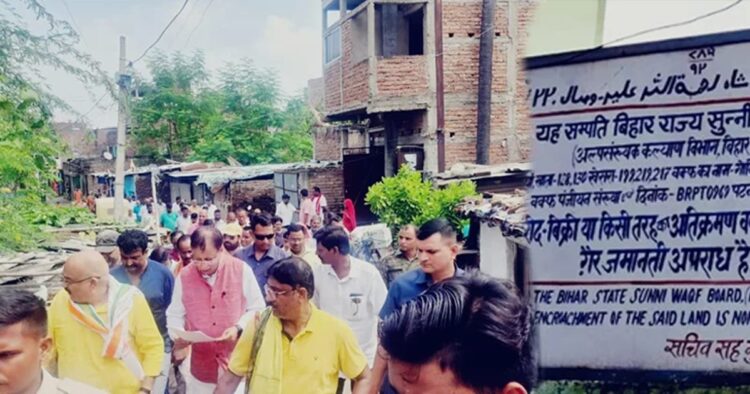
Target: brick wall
x=523 y=119
x=332 y=81
x=316 y=92
x=327 y=144
x=355 y=79
x=258 y=193
x=402 y=76
x=77 y=138
x=331 y=183
x=461 y=29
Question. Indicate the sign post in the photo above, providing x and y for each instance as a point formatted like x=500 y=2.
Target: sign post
x=640 y=210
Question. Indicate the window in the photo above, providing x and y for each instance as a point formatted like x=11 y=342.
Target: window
x=333 y=45
x=399 y=30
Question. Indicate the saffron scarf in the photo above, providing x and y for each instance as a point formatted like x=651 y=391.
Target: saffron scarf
x=114 y=331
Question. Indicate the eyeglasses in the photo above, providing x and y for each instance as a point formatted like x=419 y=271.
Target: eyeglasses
x=275 y=293
x=261 y=237
x=68 y=282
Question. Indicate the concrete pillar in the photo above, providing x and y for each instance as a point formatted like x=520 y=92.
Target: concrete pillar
x=428 y=134
x=372 y=61
x=390 y=143
x=342 y=9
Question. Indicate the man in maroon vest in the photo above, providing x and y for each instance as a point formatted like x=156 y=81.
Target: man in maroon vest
x=216 y=295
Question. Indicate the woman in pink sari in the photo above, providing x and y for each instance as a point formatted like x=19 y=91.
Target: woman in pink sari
x=350 y=216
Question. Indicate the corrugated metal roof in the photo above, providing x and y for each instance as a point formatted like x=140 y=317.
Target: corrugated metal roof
x=506 y=210
x=222 y=175
x=463 y=171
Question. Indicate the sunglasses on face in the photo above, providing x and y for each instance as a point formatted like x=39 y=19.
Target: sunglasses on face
x=261 y=237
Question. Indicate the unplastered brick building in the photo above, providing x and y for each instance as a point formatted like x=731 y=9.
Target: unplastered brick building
x=401 y=84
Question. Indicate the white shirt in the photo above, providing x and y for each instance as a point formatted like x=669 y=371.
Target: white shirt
x=211 y=209
x=184 y=223
x=255 y=302
x=356 y=299
x=285 y=212
x=147 y=220
x=320 y=202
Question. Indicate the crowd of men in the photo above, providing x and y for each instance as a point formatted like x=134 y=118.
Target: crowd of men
x=269 y=302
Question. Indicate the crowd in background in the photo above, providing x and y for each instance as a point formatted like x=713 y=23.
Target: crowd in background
x=275 y=304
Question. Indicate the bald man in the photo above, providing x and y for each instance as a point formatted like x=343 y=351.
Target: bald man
x=103 y=332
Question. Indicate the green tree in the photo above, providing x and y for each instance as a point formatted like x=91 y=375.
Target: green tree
x=249 y=102
x=28 y=146
x=175 y=107
x=244 y=116
x=406 y=198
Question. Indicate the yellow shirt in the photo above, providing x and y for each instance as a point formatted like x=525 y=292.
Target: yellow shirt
x=313 y=359
x=78 y=350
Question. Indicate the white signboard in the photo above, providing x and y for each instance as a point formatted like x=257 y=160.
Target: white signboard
x=640 y=211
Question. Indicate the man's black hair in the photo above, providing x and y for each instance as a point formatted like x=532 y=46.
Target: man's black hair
x=331 y=217
x=132 y=240
x=436 y=226
x=304 y=192
x=22 y=306
x=459 y=322
x=276 y=219
x=183 y=238
x=292 y=228
x=333 y=236
x=206 y=235
x=184 y=207
x=159 y=254
x=208 y=222
x=175 y=236
x=247 y=228
x=262 y=220
x=294 y=272
x=194 y=215
x=285 y=196
x=316 y=188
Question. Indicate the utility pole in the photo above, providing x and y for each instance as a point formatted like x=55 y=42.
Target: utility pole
x=123 y=81
x=484 y=102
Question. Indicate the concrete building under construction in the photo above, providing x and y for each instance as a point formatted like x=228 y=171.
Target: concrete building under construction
x=401 y=85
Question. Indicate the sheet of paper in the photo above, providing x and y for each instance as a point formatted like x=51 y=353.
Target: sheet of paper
x=191 y=336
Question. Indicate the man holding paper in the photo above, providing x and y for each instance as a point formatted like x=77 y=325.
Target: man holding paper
x=103 y=332
x=220 y=297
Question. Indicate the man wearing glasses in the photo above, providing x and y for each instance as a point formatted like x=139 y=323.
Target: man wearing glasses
x=301 y=349
x=216 y=295
x=103 y=332
x=263 y=252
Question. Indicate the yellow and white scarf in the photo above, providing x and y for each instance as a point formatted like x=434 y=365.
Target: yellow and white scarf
x=114 y=331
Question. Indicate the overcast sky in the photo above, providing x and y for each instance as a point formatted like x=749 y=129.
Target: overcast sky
x=285 y=34
x=279 y=34
x=625 y=17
